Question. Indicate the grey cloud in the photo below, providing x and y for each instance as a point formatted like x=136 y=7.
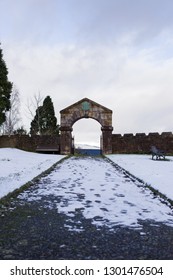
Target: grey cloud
x=103 y=21
x=84 y=21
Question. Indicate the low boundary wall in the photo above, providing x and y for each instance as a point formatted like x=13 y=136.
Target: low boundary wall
x=30 y=143
x=141 y=142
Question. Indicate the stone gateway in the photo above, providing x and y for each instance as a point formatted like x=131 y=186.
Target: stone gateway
x=85 y=108
x=140 y=143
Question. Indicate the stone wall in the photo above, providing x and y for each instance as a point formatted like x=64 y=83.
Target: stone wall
x=141 y=143
x=127 y=143
x=29 y=143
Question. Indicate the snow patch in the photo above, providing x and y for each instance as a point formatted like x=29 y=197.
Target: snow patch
x=96 y=190
x=157 y=173
x=17 y=167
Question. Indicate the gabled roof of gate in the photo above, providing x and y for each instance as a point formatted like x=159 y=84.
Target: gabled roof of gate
x=83 y=100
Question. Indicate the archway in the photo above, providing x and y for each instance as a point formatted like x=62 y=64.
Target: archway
x=85 y=108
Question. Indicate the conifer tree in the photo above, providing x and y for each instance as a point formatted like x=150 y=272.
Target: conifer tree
x=45 y=122
x=49 y=121
x=5 y=89
x=36 y=123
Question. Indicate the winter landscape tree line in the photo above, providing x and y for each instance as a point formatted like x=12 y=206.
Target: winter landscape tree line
x=42 y=114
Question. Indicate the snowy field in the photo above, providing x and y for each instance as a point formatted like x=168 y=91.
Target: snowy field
x=86 y=146
x=95 y=189
x=157 y=173
x=18 y=167
x=92 y=185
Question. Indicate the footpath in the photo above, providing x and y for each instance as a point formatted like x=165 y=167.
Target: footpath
x=86 y=208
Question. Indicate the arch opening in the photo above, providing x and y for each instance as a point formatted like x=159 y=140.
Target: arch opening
x=86 y=135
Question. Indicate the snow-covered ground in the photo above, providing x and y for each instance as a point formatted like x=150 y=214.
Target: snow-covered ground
x=18 y=167
x=92 y=185
x=97 y=190
x=157 y=173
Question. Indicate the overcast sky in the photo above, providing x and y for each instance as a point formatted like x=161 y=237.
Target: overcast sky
x=118 y=53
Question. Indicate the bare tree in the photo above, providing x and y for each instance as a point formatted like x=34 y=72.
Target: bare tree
x=33 y=105
x=13 y=115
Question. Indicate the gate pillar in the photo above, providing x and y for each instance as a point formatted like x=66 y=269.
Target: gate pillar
x=107 y=139
x=66 y=140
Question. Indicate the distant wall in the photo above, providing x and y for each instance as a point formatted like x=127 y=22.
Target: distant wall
x=29 y=143
x=141 y=143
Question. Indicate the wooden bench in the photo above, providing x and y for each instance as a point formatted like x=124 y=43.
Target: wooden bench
x=157 y=153
x=47 y=149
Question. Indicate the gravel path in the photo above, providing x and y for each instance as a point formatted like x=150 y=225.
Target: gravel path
x=86 y=209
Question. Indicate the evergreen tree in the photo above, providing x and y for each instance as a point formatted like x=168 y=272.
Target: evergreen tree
x=49 y=121
x=36 y=123
x=5 y=89
x=45 y=122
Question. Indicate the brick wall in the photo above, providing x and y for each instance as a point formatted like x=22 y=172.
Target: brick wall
x=141 y=143
x=29 y=143
x=127 y=143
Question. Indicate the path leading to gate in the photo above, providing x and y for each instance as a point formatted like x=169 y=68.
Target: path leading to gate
x=87 y=209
